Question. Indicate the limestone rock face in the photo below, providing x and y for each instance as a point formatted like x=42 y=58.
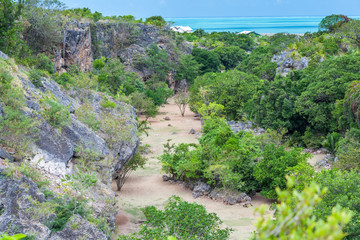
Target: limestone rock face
x=84 y=42
x=5 y=155
x=245 y=126
x=286 y=63
x=81 y=136
x=78 y=228
x=54 y=148
x=76 y=48
x=3 y=55
x=15 y=200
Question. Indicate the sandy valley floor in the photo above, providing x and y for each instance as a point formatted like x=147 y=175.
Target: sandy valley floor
x=145 y=186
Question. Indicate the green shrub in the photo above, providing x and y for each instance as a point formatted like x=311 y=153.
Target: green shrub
x=35 y=76
x=331 y=142
x=143 y=104
x=65 y=80
x=113 y=76
x=16 y=128
x=156 y=20
x=106 y=103
x=348 y=151
x=159 y=92
x=44 y=63
x=56 y=114
x=87 y=116
x=342 y=191
x=14 y=237
x=180 y=219
x=233 y=89
x=293 y=217
x=136 y=162
x=270 y=172
x=209 y=61
x=223 y=158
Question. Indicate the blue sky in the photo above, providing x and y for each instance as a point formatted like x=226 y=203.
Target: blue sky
x=219 y=8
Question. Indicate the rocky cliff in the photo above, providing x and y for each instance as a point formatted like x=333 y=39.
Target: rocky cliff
x=84 y=42
x=97 y=139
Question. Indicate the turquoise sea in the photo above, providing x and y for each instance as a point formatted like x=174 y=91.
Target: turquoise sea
x=257 y=24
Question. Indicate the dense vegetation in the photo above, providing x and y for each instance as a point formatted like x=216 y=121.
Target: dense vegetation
x=232 y=77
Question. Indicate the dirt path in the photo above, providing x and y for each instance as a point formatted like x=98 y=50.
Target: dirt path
x=145 y=187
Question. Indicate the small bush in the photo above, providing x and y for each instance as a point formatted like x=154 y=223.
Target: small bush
x=182 y=220
x=65 y=80
x=106 y=103
x=56 y=114
x=272 y=169
x=87 y=116
x=294 y=217
x=16 y=128
x=43 y=62
x=35 y=76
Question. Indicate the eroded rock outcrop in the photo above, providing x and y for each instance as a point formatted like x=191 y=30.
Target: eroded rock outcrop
x=286 y=63
x=84 y=42
x=16 y=198
x=54 y=148
x=245 y=126
x=76 y=47
x=19 y=213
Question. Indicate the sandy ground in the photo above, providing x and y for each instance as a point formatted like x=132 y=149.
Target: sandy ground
x=145 y=186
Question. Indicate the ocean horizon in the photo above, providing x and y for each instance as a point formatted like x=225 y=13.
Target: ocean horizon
x=294 y=24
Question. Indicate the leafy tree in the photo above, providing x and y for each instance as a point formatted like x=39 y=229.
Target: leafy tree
x=99 y=64
x=231 y=56
x=209 y=60
x=156 y=20
x=113 y=77
x=43 y=32
x=44 y=62
x=348 y=150
x=143 y=104
x=274 y=105
x=223 y=158
x=159 y=92
x=259 y=63
x=324 y=86
x=213 y=110
x=158 y=61
x=342 y=191
x=182 y=220
x=182 y=100
x=270 y=172
x=137 y=161
x=187 y=68
x=294 y=217
x=233 y=89
x=280 y=41
x=350 y=30
x=10 y=28
x=330 y=23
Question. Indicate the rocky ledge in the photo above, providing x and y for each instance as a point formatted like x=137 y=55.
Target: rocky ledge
x=201 y=189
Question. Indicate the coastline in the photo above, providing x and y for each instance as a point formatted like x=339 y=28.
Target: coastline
x=272 y=34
